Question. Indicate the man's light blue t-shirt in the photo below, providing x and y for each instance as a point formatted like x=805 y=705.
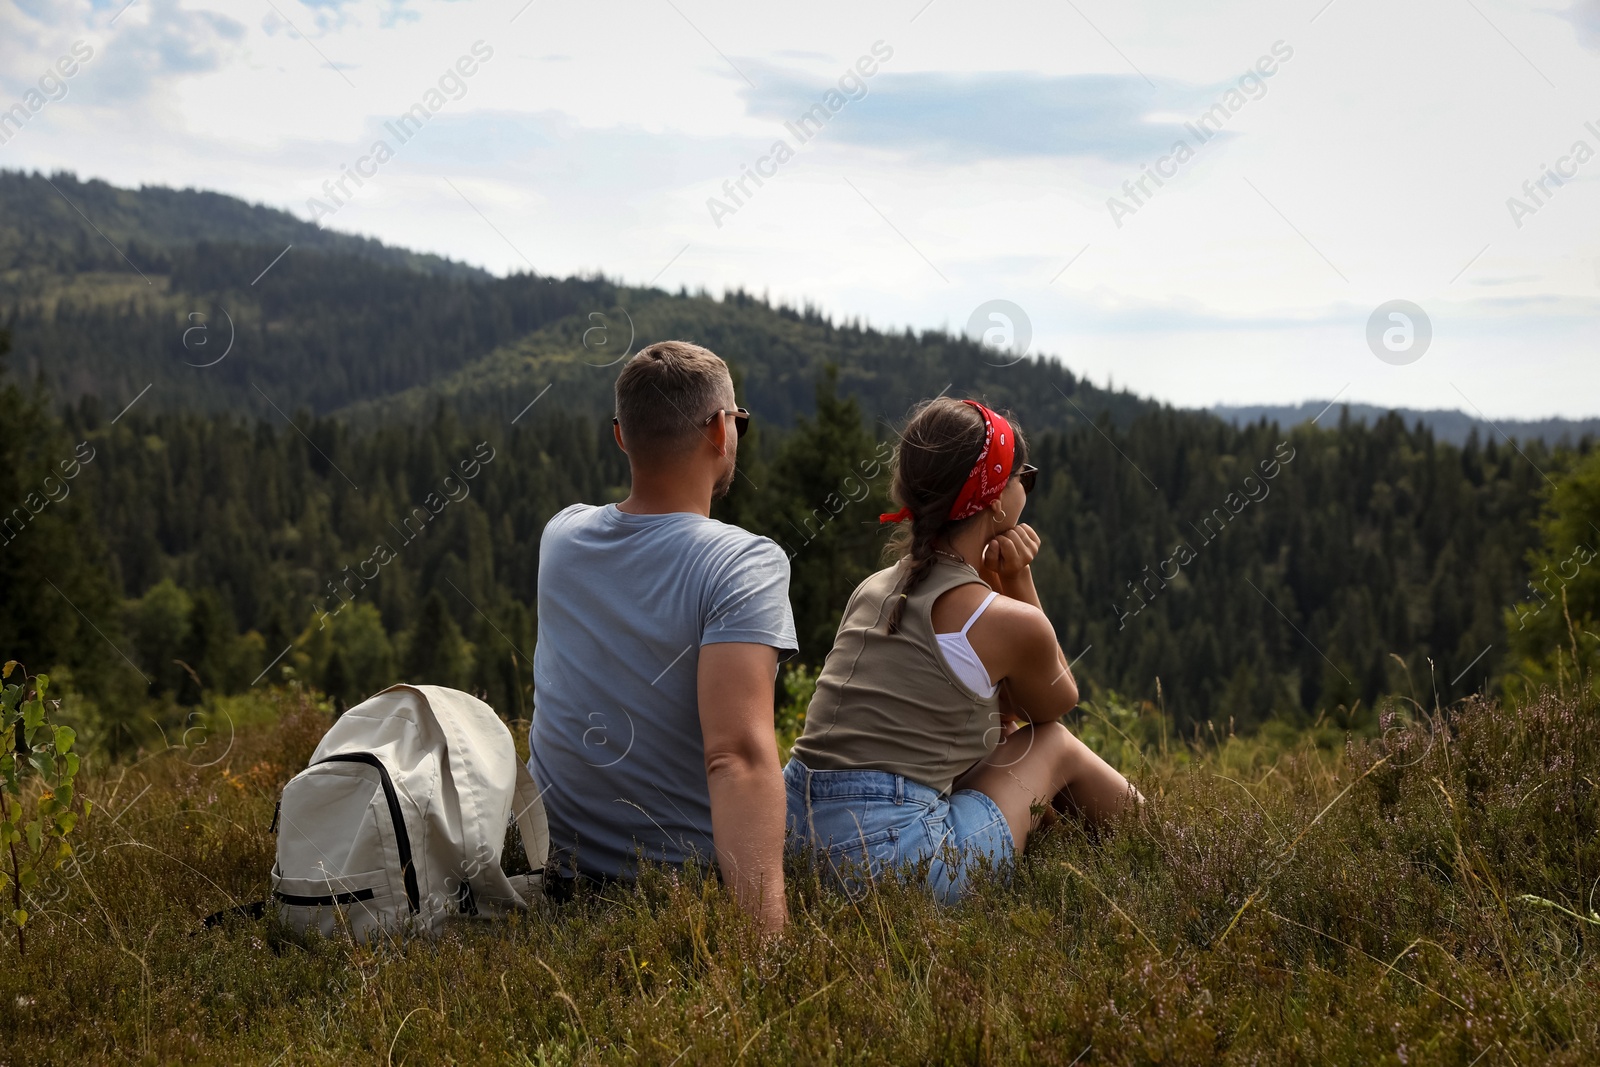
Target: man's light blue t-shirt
x=625 y=602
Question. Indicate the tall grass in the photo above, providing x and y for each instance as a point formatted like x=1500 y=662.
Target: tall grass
x=1423 y=896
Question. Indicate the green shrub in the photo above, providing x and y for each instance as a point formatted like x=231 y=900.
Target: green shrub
x=37 y=812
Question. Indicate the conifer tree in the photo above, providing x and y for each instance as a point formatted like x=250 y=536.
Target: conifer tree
x=437 y=653
x=823 y=493
x=59 y=609
x=1555 y=630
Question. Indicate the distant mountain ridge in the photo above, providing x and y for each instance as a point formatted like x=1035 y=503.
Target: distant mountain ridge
x=117 y=294
x=43 y=216
x=1447 y=425
x=103 y=285
x=777 y=354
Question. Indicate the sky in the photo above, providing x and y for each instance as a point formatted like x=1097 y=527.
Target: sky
x=1393 y=204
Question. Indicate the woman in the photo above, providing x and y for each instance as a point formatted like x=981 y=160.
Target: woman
x=912 y=749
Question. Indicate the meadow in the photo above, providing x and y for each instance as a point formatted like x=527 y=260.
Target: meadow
x=1412 y=886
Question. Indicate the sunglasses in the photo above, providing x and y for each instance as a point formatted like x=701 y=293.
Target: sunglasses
x=741 y=420
x=1028 y=475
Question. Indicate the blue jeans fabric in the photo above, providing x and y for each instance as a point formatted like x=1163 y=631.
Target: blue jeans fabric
x=864 y=824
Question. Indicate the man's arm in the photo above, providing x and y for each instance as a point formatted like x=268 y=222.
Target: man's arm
x=742 y=772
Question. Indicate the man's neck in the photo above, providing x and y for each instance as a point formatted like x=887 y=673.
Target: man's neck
x=650 y=496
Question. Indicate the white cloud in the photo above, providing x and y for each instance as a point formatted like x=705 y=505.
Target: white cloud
x=168 y=43
x=955 y=118
x=1585 y=18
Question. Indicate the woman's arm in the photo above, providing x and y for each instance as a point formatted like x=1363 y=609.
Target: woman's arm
x=1015 y=640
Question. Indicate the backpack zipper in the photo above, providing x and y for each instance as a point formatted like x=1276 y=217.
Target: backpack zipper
x=402 y=836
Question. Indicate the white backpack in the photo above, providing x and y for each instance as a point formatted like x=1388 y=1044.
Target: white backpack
x=398 y=822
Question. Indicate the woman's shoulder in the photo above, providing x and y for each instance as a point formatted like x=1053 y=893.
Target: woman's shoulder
x=883 y=580
x=1011 y=628
x=940 y=575
x=956 y=603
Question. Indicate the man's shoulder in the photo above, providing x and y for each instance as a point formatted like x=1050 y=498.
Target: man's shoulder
x=735 y=544
x=573 y=513
x=716 y=540
x=712 y=541
x=575 y=521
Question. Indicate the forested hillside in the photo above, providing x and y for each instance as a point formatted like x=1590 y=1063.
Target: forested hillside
x=220 y=323
x=320 y=330
x=778 y=355
x=57 y=224
x=223 y=306
x=355 y=492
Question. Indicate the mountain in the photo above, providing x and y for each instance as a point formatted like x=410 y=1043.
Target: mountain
x=207 y=312
x=1452 y=426
x=193 y=300
x=321 y=330
x=190 y=299
x=777 y=355
x=59 y=224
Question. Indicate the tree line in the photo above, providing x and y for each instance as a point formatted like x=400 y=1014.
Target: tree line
x=1257 y=573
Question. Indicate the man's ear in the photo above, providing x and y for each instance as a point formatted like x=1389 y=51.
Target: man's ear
x=717 y=433
x=616 y=433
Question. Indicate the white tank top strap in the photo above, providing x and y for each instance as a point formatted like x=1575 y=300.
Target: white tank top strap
x=962 y=658
x=981 y=607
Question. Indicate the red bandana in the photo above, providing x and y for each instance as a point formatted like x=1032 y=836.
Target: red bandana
x=989 y=475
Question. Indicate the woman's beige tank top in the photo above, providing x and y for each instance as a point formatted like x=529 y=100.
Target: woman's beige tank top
x=889 y=702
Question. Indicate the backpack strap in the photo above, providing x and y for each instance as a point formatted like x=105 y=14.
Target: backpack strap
x=528 y=807
x=256 y=909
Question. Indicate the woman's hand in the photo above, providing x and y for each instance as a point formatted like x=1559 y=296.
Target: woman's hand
x=1008 y=555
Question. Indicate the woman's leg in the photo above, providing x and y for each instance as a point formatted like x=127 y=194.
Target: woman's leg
x=1033 y=764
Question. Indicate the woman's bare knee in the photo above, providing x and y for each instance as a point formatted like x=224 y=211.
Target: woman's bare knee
x=1063 y=751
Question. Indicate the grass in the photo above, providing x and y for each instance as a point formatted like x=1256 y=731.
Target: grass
x=1420 y=897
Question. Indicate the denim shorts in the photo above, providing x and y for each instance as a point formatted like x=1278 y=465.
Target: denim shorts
x=866 y=823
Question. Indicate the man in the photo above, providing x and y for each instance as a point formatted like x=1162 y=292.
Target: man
x=660 y=631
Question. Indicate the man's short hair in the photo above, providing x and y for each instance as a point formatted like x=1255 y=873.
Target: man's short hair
x=666 y=391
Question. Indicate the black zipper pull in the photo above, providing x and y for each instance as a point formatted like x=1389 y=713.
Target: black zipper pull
x=277 y=809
